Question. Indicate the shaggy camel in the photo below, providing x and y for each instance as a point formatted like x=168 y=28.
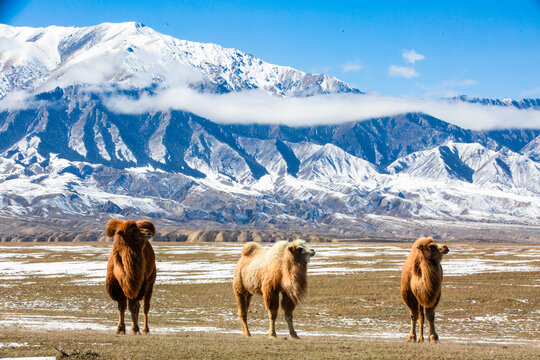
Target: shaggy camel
x=281 y=269
x=421 y=279
x=131 y=271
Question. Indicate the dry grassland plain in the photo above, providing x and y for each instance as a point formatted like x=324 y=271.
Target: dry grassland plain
x=53 y=303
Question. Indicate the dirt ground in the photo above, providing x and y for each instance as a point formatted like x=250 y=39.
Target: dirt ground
x=53 y=303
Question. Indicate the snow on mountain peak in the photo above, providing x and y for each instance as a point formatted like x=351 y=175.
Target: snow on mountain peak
x=133 y=55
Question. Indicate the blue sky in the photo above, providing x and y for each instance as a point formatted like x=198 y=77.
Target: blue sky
x=420 y=49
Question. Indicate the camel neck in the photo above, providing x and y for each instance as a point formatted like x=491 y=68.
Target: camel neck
x=431 y=278
x=133 y=262
x=296 y=272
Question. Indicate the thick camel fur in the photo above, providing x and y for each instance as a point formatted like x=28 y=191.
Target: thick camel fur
x=421 y=279
x=281 y=269
x=131 y=271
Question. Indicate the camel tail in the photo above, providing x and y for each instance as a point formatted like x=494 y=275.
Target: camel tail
x=250 y=249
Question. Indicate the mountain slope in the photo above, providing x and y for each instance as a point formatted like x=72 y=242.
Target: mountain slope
x=473 y=163
x=532 y=149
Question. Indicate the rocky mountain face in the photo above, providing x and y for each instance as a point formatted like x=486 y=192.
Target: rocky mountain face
x=68 y=161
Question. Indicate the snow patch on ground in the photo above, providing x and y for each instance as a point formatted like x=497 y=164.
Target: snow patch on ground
x=13 y=344
x=88 y=263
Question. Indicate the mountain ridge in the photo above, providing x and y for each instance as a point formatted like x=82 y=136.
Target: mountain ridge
x=71 y=158
x=137 y=56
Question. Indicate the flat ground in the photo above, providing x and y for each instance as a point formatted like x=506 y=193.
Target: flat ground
x=53 y=303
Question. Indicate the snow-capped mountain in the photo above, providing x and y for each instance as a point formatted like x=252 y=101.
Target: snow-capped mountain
x=520 y=104
x=76 y=158
x=473 y=163
x=67 y=155
x=131 y=55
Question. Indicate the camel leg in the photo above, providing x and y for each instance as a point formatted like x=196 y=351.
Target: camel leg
x=122 y=305
x=288 y=307
x=271 y=300
x=412 y=304
x=146 y=306
x=243 y=300
x=420 y=323
x=134 y=306
x=414 y=317
x=430 y=314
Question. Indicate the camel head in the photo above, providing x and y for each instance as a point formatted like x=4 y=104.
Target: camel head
x=430 y=250
x=300 y=251
x=131 y=231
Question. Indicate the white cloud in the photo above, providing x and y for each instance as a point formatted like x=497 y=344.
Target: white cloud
x=18 y=52
x=354 y=65
x=18 y=100
x=448 y=88
x=259 y=107
x=320 y=70
x=411 y=56
x=126 y=72
x=94 y=72
x=531 y=92
x=402 y=71
x=458 y=83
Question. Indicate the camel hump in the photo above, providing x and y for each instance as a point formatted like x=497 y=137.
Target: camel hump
x=422 y=242
x=250 y=249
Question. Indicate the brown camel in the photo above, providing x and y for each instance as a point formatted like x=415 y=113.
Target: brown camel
x=281 y=269
x=131 y=271
x=421 y=279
